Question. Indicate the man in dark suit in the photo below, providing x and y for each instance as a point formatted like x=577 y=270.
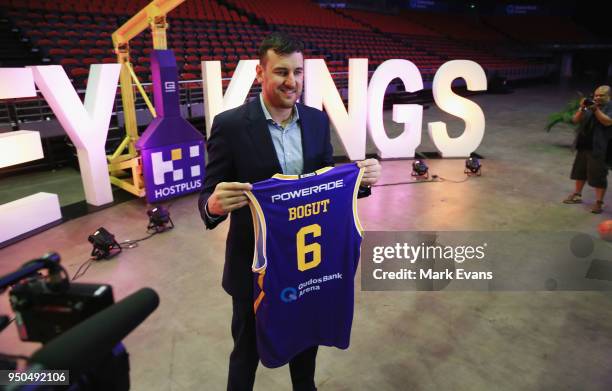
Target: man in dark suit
x=268 y=135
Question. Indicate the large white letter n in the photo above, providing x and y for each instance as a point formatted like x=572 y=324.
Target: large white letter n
x=86 y=124
x=320 y=90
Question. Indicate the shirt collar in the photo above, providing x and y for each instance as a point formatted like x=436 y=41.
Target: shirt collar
x=295 y=115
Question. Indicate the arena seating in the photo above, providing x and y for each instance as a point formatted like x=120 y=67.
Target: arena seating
x=389 y=23
x=75 y=34
x=340 y=45
x=296 y=13
x=74 y=40
x=462 y=28
x=540 y=29
x=437 y=38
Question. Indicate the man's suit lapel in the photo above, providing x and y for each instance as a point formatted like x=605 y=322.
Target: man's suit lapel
x=260 y=135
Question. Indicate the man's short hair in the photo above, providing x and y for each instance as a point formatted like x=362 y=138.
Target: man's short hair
x=281 y=43
x=607 y=89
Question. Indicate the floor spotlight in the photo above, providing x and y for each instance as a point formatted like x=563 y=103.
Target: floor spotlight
x=472 y=167
x=420 y=170
x=159 y=219
x=104 y=244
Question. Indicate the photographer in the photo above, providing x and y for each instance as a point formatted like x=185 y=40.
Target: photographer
x=594 y=119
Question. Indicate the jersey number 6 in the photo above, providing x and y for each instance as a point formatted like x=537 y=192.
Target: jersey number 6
x=303 y=248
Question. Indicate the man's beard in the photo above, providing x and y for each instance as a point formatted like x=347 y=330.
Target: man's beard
x=289 y=102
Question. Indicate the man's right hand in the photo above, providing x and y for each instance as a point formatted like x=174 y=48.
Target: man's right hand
x=228 y=196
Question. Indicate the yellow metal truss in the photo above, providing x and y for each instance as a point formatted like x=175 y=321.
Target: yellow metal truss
x=125 y=165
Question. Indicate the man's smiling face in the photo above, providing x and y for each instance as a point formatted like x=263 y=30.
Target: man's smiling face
x=281 y=78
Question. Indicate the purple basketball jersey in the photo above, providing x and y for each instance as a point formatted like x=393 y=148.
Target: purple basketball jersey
x=307 y=247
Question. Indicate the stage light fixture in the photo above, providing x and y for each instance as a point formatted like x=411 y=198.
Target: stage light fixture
x=472 y=167
x=420 y=169
x=159 y=219
x=104 y=244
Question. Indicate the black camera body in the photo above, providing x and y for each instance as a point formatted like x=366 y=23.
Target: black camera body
x=588 y=102
x=47 y=305
x=42 y=313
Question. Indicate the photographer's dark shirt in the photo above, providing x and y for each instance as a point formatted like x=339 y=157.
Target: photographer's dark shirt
x=585 y=135
x=593 y=135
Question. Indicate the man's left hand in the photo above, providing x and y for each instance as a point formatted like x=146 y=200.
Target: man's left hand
x=371 y=173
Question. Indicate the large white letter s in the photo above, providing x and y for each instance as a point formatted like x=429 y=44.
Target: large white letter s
x=476 y=80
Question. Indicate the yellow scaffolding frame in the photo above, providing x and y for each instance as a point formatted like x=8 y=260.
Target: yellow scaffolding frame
x=125 y=167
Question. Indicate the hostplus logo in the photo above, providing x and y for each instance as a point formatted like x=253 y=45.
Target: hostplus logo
x=185 y=167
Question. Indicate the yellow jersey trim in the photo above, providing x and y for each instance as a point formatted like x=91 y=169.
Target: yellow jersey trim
x=259 y=227
x=260 y=282
x=355 y=211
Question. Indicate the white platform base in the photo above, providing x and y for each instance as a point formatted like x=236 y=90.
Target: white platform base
x=19 y=147
x=27 y=214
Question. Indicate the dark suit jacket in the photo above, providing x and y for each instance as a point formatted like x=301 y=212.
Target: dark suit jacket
x=240 y=149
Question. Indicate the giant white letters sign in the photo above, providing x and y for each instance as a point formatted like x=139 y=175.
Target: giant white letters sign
x=476 y=80
x=86 y=124
x=365 y=103
x=320 y=91
x=410 y=115
x=237 y=90
x=37 y=210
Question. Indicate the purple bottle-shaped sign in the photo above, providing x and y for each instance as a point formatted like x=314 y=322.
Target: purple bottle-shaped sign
x=172 y=150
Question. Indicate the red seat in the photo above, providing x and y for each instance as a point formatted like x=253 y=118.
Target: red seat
x=189 y=76
x=96 y=51
x=79 y=72
x=58 y=52
x=69 y=61
x=191 y=68
x=76 y=52
x=140 y=69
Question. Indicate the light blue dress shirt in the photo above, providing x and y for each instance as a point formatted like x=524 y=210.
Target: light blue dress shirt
x=287 y=141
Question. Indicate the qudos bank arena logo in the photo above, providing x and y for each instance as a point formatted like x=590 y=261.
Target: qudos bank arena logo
x=288 y=295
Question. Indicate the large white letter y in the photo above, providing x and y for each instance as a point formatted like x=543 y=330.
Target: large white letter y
x=86 y=124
